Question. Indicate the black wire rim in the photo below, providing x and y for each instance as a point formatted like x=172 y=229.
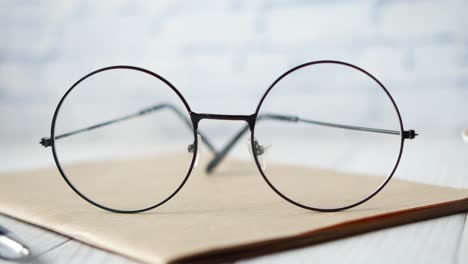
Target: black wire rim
x=56 y=160
x=252 y=137
x=250 y=119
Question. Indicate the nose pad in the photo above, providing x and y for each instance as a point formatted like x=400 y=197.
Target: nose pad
x=191 y=149
x=260 y=151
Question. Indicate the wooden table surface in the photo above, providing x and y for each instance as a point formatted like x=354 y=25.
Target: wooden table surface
x=441 y=240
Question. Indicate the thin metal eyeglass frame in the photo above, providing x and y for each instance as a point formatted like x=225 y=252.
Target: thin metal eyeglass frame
x=220 y=155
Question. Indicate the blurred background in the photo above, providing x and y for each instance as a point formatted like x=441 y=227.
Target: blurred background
x=222 y=55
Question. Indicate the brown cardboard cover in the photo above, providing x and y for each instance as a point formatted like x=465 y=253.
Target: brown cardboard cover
x=228 y=215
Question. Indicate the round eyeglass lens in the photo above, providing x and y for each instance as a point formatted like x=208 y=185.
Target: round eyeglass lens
x=328 y=136
x=123 y=139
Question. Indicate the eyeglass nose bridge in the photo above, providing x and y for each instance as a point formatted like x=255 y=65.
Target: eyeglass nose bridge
x=197 y=117
x=250 y=119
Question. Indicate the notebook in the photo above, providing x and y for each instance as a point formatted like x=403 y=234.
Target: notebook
x=228 y=215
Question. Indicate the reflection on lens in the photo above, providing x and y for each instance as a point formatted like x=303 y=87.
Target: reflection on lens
x=326 y=124
x=121 y=139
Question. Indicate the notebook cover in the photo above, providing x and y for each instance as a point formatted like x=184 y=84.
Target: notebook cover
x=229 y=215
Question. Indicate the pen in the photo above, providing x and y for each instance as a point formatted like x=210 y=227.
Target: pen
x=10 y=247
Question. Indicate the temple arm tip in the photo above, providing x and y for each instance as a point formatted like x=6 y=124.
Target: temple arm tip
x=211 y=166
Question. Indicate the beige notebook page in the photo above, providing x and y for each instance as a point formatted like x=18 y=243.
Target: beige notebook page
x=228 y=215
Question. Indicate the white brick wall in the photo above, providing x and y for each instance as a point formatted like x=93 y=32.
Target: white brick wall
x=232 y=51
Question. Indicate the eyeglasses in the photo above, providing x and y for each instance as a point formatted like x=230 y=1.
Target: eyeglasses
x=330 y=115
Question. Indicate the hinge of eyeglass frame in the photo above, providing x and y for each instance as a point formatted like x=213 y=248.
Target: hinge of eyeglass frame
x=46 y=142
x=409 y=134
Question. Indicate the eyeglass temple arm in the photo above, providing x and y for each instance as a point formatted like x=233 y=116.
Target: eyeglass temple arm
x=46 y=142
x=410 y=134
